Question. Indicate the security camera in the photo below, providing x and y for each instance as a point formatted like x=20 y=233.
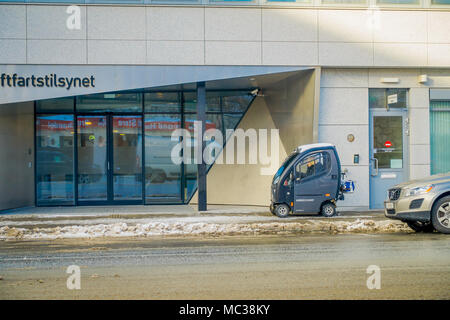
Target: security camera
x=254 y=92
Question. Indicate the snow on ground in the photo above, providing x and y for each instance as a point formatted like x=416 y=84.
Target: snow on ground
x=193 y=227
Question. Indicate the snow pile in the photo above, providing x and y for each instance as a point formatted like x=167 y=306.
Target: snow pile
x=123 y=229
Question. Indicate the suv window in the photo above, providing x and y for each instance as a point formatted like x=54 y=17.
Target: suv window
x=313 y=165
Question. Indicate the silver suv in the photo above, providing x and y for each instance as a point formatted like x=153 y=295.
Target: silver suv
x=423 y=204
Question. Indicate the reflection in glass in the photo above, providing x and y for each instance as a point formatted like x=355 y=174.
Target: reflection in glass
x=162 y=102
x=388 y=141
x=55 y=105
x=235 y=101
x=342 y=1
x=121 y=144
x=127 y=157
x=92 y=158
x=162 y=176
x=54 y=159
x=231 y=120
x=110 y=102
x=388 y=98
x=398 y=1
x=212 y=101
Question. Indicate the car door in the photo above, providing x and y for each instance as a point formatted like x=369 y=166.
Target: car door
x=313 y=181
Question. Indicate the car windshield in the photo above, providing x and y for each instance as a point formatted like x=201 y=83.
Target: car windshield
x=284 y=165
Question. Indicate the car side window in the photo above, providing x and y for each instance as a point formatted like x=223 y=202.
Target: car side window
x=313 y=165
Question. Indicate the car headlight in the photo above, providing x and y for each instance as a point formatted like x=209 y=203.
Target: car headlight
x=419 y=190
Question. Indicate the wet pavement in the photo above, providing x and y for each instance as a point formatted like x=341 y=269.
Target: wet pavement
x=321 y=266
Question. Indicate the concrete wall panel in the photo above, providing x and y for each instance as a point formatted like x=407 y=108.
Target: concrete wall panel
x=49 y=22
x=281 y=36
x=12 y=22
x=121 y=23
x=233 y=24
x=117 y=52
x=351 y=25
x=56 y=52
x=289 y=25
x=289 y=53
x=232 y=53
x=17 y=155
x=165 y=23
x=13 y=51
x=176 y=52
x=343 y=106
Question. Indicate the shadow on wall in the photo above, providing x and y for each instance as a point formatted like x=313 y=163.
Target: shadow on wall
x=288 y=106
x=17 y=153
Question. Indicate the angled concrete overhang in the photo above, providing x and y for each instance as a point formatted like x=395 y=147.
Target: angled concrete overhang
x=119 y=77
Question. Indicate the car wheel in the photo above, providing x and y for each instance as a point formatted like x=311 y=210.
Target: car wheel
x=440 y=215
x=282 y=210
x=419 y=226
x=328 y=210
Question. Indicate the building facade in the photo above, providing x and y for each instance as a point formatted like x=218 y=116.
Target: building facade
x=91 y=92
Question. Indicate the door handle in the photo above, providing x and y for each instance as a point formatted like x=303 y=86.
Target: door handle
x=376 y=167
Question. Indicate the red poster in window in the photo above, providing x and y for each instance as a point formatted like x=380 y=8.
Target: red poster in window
x=388 y=144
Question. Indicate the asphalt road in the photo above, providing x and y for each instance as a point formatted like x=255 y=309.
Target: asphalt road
x=412 y=266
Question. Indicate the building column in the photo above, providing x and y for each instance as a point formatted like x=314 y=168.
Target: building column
x=201 y=167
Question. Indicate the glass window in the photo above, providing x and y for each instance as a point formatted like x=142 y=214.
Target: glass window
x=110 y=102
x=313 y=165
x=190 y=101
x=231 y=120
x=398 y=1
x=236 y=101
x=388 y=98
x=92 y=147
x=388 y=141
x=54 y=159
x=162 y=176
x=212 y=101
x=55 y=105
x=298 y=1
x=231 y=0
x=439 y=136
x=162 y=102
x=440 y=1
x=190 y=169
x=344 y=1
x=127 y=157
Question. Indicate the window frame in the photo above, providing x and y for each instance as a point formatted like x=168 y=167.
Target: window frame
x=327 y=167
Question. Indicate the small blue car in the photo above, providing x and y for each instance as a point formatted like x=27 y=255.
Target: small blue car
x=309 y=180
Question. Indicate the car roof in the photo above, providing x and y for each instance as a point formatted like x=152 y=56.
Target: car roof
x=307 y=147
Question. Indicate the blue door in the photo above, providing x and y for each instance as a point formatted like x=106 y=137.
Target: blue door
x=388 y=152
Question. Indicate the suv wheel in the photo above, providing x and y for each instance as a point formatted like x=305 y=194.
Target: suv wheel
x=419 y=226
x=282 y=210
x=440 y=215
x=328 y=210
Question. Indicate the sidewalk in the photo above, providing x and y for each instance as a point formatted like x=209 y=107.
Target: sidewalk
x=145 y=221
x=150 y=211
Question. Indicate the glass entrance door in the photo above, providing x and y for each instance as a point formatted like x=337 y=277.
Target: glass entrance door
x=109 y=152
x=93 y=162
x=388 y=154
x=127 y=158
